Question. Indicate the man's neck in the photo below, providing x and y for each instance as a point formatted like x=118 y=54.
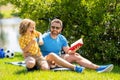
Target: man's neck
x=53 y=36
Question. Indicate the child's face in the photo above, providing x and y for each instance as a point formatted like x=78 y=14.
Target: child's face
x=31 y=28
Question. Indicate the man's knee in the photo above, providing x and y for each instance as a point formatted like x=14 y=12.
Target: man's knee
x=71 y=58
x=51 y=56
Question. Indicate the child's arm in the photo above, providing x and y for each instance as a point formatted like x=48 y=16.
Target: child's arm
x=40 y=39
x=26 y=49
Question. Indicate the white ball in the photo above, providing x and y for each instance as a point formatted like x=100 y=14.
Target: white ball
x=9 y=54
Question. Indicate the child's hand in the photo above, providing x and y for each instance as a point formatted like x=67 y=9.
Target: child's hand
x=41 y=43
x=40 y=39
x=33 y=41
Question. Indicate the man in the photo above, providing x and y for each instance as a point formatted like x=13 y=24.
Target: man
x=54 y=42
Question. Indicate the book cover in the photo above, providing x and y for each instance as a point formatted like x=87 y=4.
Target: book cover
x=76 y=44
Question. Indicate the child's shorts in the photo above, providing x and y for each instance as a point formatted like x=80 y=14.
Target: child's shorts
x=38 y=61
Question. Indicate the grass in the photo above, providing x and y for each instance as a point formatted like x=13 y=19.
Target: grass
x=12 y=72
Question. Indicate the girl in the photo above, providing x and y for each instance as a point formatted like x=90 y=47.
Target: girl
x=31 y=51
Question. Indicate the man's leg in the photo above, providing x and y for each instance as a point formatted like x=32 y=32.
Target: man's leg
x=80 y=60
x=58 y=60
x=86 y=63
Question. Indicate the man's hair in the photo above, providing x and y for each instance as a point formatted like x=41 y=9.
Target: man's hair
x=24 y=25
x=57 y=21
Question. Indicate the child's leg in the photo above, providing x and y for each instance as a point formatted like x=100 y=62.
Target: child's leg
x=30 y=62
x=42 y=63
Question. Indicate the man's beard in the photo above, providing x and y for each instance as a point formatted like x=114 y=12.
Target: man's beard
x=56 y=33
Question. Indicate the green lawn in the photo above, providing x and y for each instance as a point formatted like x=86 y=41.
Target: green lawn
x=11 y=72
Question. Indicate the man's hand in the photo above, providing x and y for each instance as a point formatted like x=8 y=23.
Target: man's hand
x=71 y=52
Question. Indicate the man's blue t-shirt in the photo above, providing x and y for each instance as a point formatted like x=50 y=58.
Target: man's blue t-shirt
x=53 y=45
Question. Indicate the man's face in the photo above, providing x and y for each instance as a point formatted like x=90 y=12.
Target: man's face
x=55 y=28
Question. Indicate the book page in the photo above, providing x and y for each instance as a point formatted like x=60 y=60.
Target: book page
x=75 y=45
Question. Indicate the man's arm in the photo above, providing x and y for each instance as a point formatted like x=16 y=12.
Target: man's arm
x=67 y=51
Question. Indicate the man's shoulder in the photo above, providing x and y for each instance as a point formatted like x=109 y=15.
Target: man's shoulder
x=62 y=36
x=46 y=34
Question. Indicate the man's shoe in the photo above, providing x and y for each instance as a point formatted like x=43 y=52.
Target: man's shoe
x=105 y=68
x=79 y=69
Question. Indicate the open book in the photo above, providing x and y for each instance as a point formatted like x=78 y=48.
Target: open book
x=76 y=44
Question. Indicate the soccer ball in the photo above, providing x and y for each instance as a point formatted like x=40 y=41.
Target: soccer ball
x=9 y=54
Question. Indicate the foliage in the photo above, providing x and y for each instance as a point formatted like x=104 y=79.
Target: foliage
x=1 y=3
x=96 y=20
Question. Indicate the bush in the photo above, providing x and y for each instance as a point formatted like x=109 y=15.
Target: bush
x=97 y=21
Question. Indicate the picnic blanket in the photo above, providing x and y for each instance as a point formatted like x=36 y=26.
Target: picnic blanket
x=22 y=63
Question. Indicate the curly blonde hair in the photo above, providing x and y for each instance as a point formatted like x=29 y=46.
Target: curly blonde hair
x=24 y=25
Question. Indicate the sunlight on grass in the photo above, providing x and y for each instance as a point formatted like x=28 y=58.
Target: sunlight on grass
x=12 y=72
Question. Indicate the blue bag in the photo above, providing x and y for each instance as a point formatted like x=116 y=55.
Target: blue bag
x=2 y=53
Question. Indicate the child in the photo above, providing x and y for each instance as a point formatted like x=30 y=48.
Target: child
x=31 y=51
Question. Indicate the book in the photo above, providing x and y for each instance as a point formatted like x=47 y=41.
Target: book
x=74 y=46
